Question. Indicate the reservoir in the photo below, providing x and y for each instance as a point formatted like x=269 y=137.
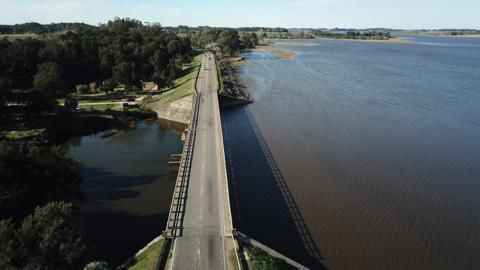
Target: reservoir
x=365 y=155
x=127 y=188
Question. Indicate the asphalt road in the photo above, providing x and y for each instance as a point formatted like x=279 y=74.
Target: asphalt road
x=202 y=244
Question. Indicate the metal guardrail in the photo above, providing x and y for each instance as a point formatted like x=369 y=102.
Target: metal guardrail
x=177 y=208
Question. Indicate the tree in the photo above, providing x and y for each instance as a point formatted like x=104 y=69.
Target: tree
x=123 y=49
x=97 y=265
x=9 y=246
x=70 y=104
x=229 y=41
x=33 y=175
x=246 y=42
x=51 y=238
x=37 y=100
x=254 y=38
x=108 y=86
x=47 y=78
x=3 y=93
x=21 y=62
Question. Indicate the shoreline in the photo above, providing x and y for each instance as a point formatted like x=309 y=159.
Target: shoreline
x=289 y=54
x=448 y=36
x=282 y=53
x=231 y=89
x=390 y=40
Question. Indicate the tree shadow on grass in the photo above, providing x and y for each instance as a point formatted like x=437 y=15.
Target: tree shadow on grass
x=262 y=204
x=101 y=185
x=177 y=85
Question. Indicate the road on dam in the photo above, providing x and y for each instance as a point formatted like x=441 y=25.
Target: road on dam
x=206 y=235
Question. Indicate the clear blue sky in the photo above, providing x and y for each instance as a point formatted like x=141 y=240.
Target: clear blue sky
x=405 y=14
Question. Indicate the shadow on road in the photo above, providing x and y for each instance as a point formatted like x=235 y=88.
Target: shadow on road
x=262 y=204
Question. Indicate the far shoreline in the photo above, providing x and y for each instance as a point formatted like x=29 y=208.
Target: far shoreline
x=390 y=40
x=289 y=54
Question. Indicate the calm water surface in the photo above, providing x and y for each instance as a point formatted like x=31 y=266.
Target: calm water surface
x=127 y=188
x=364 y=154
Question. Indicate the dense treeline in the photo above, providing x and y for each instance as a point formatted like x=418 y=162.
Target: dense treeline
x=317 y=33
x=123 y=50
x=353 y=35
x=262 y=29
x=39 y=187
x=36 y=28
x=227 y=42
x=186 y=29
x=39 y=226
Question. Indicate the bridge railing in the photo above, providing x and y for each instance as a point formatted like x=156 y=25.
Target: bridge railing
x=177 y=208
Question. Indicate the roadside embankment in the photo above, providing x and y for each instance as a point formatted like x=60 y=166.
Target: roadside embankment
x=152 y=257
x=255 y=255
x=177 y=111
x=232 y=91
x=175 y=104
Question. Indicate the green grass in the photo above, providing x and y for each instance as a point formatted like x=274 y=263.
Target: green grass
x=221 y=88
x=261 y=260
x=24 y=134
x=139 y=113
x=100 y=107
x=148 y=86
x=148 y=258
x=19 y=36
x=115 y=96
x=232 y=256
x=184 y=85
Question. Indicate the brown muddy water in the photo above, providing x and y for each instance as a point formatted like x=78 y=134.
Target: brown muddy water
x=361 y=155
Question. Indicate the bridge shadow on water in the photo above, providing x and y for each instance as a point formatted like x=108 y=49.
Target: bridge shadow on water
x=262 y=204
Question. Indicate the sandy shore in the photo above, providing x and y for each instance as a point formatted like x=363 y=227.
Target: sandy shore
x=288 y=54
x=282 y=53
x=296 y=44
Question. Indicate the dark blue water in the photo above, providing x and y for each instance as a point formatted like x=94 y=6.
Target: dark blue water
x=127 y=188
x=378 y=149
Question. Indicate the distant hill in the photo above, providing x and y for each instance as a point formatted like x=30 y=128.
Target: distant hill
x=37 y=28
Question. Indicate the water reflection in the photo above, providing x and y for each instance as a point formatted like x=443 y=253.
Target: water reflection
x=126 y=185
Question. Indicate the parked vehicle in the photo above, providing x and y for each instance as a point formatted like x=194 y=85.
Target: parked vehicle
x=129 y=102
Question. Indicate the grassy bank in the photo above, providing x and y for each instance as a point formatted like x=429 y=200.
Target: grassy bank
x=147 y=259
x=115 y=96
x=60 y=126
x=152 y=257
x=24 y=134
x=63 y=127
x=184 y=85
x=221 y=87
x=259 y=259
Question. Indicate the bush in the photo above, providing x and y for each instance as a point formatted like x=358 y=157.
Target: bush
x=97 y=265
